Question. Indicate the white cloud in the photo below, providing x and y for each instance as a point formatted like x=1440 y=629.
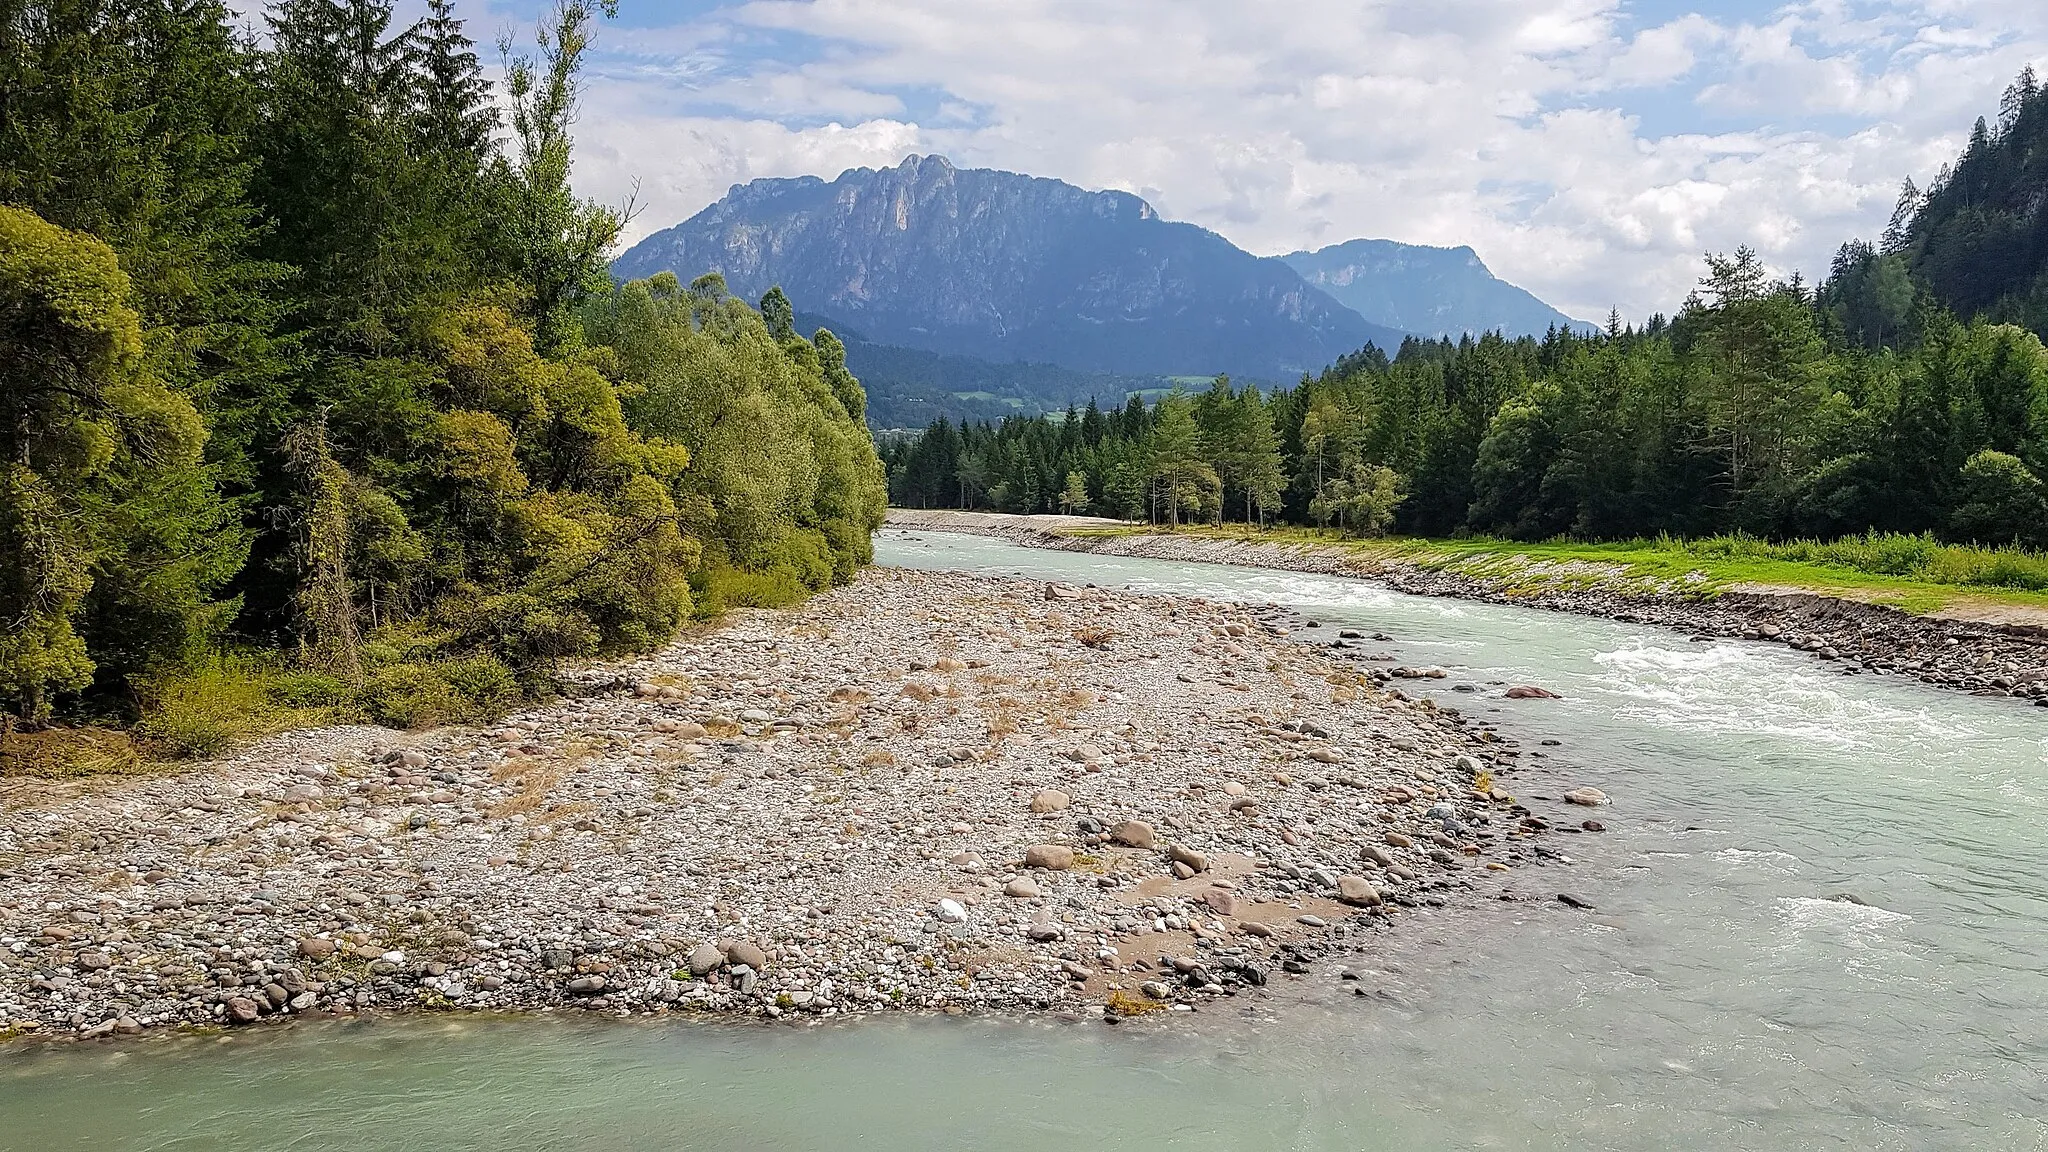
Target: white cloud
x=1552 y=135
x=1662 y=54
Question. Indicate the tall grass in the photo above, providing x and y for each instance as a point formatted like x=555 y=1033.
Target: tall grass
x=1921 y=558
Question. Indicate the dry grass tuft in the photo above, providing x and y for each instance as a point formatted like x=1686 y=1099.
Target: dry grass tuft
x=60 y=752
x=563 y=812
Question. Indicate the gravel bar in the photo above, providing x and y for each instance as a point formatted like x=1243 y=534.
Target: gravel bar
x=922 y=792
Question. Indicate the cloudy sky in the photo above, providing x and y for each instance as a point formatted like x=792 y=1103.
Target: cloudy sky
x=1590 y=150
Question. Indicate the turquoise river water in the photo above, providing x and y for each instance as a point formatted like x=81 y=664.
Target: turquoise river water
x=1721 y=996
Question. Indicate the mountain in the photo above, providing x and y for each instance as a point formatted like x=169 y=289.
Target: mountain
x=909 y=388
x=1429 y=291
x=1978 y=236
x=1004 y=268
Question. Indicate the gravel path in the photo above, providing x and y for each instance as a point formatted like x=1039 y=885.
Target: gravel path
x=924 y=792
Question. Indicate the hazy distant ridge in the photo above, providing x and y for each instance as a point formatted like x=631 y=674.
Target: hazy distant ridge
x=1429 y=291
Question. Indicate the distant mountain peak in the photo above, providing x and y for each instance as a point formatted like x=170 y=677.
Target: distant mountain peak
x=1426 y=289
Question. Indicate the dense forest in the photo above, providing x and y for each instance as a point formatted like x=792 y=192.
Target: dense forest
x=1908 y=393
x=310 y=360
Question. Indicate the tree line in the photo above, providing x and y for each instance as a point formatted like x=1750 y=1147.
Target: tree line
x=308 y=347
x=1900 y=395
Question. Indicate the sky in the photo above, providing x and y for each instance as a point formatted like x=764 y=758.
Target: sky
x=1589 y=150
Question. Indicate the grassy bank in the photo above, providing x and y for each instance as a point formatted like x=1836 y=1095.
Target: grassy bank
x=1913 y=573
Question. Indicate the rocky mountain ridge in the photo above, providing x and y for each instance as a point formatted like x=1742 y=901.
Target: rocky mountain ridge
x=1009 y=268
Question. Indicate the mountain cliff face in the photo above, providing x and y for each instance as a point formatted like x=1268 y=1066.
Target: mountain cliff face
x=1007 y=268
x=1428 y=291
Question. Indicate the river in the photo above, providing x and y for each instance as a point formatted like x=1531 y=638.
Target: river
x=1723 y=994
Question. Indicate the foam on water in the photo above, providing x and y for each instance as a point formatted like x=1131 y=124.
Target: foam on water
x=1737 y=688
x=1779 y=863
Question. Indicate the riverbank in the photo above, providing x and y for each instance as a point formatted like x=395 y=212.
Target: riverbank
x=1994 y=657
x=924 y=792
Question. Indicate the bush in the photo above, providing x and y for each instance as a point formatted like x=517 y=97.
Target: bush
x=303 y=690
x=468 y=690
x=206 y=710
x=720 y=589
x=488 y=684
x=410 y=696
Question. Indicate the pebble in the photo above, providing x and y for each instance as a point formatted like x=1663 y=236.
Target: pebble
x=1050 y=800
x=1357 y=890
x=1134 y=834
x=1051 y=857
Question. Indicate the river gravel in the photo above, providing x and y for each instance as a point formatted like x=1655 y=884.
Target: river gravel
x=923 y=792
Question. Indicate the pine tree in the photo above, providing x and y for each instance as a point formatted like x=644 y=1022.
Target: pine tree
x=562 y=242
x=455 y=118
x=1074 y=497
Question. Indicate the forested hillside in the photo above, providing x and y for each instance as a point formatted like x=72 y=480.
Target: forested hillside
x=1906 y=394
x=1739 y=415
x=1977 y=238
x=908 y=388
x=313 y=370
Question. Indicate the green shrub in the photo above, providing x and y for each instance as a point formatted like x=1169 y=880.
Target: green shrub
x=411 y=696
x=485 y=682
x=306 y=690
x=467 y=690
x=720 y=589
x=206 y=710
